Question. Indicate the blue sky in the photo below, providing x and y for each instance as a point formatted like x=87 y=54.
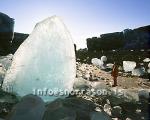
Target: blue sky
x=84 y=18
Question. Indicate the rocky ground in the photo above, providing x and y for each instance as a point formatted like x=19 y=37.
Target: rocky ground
x=95 y=100
x=129 y=100
x=125 y=80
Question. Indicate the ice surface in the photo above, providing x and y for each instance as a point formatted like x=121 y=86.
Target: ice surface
x=6 y=61
x=138 y=71
x=128 y=66
x=99 y=62
x=148 y=65
x=96 y=62
x=2 y=74
x=104 y=58
x=148 y=70
x=146 y=60
x=45 y=62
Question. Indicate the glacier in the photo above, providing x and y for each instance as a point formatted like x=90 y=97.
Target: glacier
x=44 y=62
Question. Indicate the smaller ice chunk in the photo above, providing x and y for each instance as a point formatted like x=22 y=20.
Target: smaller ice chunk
x=2 y=74
x=148 y=65
x=6 y=61
x=104 y=58
x=128 y=66
x=109 y=65
x=148 y=70
x=99 y=62
x=146 y=60
x=81 y=84
x=138 y=71
x=96 y=62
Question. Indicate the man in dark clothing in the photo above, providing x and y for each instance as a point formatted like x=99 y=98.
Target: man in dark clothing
x=114 y=74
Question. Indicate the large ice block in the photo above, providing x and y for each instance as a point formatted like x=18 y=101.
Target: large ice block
x=44 y=63
x=128 y=66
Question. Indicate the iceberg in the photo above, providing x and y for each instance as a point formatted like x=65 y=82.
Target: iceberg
x=44 y=64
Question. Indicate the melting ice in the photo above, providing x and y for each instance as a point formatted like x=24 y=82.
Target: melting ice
x=44 y=61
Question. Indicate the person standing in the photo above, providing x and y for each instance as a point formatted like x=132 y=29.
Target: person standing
x=114 y=74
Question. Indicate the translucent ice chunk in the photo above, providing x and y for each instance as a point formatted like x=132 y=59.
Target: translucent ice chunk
x=104 y=58
x=138 y=71
x=128 y=66
x=99 y=63
x=44 y=63
x=96 y=62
